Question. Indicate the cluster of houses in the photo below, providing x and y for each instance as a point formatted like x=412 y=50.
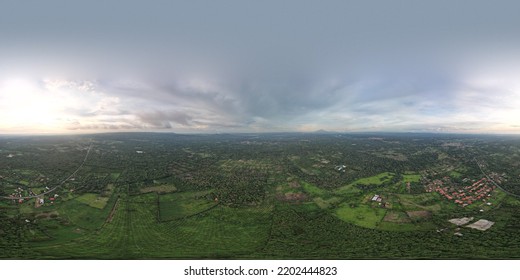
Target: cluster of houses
x=41 y=200
x=18 y=196
x=464 y=196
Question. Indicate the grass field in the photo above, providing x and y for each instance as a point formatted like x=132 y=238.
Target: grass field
x=348 y=190
x=376 y=180
x=425 y=201
x=159 y=189
x=93 y=200
x=180 y=205
x=313 y=190
x=135 y=233
x=397 y=217
x=361 y=215
x=82 y=214
x=38 y=190
x=455 y=174
x=412 y=178
x=326 y=203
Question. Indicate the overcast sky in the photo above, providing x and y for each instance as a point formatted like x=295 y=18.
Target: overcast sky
x=255 y=66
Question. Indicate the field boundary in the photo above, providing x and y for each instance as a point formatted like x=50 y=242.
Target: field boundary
x=185 y=217
x=112 y=212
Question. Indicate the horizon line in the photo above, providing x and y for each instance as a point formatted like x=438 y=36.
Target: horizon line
x=263 y=132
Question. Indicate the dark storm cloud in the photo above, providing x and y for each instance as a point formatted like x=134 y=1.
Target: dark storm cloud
x=268 y=65
x=160 y=119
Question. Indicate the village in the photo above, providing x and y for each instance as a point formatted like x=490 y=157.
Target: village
x=478 y=191
x=18 y=196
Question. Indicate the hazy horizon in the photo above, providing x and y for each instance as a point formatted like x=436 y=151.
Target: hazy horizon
x=270 y=66
x=201 y=133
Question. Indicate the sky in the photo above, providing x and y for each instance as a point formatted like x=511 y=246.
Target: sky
x=259 y=66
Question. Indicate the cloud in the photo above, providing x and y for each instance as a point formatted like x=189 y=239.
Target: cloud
x=160 y=119
x=263 y=66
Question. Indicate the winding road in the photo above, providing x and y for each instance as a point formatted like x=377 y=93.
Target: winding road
x=57 y=186
x=494 y=183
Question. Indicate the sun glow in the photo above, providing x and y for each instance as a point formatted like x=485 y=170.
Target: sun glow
x=24 y=105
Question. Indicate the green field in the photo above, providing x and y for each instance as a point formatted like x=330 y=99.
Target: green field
x=82 y=214
x=326 y=203
x=159 y=189
x=455 y=174
x=256 y=196
x=181 y=205
x=376 y=180
x=135 y=233
x=361 y=215
x=313 y=190
x=348 y=190
x=412 y=178
x=93 y=200
x=426 y=201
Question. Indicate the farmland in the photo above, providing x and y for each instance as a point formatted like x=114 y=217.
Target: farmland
x=255 y=196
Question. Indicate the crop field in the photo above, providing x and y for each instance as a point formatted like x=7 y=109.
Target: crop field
x=279 y=196
x=181 y=205
x=83 y=215
x=135 y=233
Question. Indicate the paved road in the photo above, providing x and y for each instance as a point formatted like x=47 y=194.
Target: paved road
x=497 y=185
x=57 y=186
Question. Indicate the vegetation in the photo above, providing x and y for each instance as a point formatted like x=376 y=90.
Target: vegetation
x=93 y=200
x=309 y=196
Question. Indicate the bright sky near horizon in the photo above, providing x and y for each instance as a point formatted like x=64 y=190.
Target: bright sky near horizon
x=259 y=66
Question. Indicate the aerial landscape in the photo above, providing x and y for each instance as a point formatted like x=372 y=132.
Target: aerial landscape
x=242 y=130
x=277 y=195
